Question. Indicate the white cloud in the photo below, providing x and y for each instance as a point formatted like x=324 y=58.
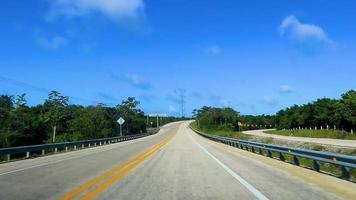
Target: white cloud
x=172 y=109
x=219 y=101
x=285 y=89
x=52 y=43
x=118 y=10
x=137 y=81
x=214 y=49
x=270 y=101
x=296 y=30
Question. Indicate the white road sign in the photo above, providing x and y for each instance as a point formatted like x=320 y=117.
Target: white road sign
x=121 y=121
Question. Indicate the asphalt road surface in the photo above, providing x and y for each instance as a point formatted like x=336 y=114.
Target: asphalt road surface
x=176 y=163
x=323 y=141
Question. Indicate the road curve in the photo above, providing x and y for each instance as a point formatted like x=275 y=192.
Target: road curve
x=323 y=141
x=176 y=163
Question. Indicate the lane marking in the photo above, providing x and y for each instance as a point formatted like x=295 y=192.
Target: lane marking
x=115 y=174
x=119 y=176
x=104 y=176
x=248 y=186
x=84 y=154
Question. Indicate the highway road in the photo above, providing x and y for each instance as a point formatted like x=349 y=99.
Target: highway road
x=176 y=163
x=322 y=141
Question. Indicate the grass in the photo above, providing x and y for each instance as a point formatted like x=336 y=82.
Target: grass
x=222 y=132
x=333 y=134
x=152 y=131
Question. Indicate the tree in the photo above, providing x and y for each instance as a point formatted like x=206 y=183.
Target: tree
x=322 y=112
x=346 y=111
x=135 y=121
x=55 y=110
x=21 y=101
x=208 y=117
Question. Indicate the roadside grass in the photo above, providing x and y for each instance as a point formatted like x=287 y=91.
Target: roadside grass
x=222 y=132
x=333 y=134
x=308 y=163
x=152 y=131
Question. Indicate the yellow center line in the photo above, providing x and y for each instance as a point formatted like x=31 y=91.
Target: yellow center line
x=92 y=194
x=104 y=176
x=133 y=162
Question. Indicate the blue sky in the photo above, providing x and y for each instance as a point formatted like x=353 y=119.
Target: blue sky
x=255 y=56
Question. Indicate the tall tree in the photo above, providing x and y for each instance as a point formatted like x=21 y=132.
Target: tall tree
x=134 y=117
x=55 y=110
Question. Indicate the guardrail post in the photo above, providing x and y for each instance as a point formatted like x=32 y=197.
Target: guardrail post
x=281 y=157
x=260 y=151
x=75 y=147
x=8 y=157
x=89 y=145
x=269 y=153
x=253 y=149
x=99 y=143
x=94 y=144
x=82 y=146
x=66 y=148
x=316 y=166
x=27 y=154
x=296 y=160
x=55 y=150
x=345 y=174
x=43 y=152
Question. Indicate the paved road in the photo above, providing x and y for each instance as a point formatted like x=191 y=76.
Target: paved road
x=173 y=164
x=323 y=141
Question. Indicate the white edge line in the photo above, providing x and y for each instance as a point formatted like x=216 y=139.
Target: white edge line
x=252 y=189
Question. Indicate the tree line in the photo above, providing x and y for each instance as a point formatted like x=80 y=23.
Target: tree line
x=56 y=120
x=230 y=119
x=324 y=112
x=212 y=117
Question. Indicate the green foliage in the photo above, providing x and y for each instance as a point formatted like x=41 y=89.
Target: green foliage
x=210 y=117
x=23 y=125
x=323 y=112
x=224 y=131
x=260 y=120
x=152 y=131
x=135 y=120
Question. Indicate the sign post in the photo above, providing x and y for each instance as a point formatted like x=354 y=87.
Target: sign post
x=121 y=121
x=157 y=118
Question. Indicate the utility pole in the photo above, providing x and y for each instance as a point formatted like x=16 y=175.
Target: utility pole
x=181 y=96
x=54 y=134
x=157 y=122
x=158 y=117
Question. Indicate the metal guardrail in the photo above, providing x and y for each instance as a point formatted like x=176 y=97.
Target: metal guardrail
x=54 y=147
x=345 y=162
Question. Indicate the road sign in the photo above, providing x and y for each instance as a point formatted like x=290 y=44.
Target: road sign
x=121 y=121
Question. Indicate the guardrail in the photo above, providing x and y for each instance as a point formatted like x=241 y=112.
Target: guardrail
x=345 y=162
x=55 y=147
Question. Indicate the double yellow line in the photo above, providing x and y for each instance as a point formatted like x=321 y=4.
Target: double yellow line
x=104 y=181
